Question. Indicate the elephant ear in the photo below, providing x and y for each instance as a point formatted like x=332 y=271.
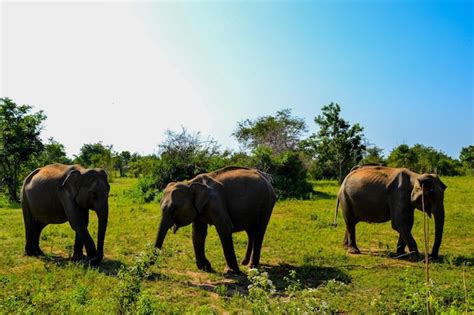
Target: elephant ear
x=71 y=183
x=103 y=173
x=427 y=181
x=201 y=194
x=425 y=184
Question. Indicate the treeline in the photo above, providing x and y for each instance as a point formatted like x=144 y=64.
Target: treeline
x=274 y=143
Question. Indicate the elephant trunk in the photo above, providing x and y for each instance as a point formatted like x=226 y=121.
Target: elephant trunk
x=103 y=217
x=439 y=225
x=165 y=224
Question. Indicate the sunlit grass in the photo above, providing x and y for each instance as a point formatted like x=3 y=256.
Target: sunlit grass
x=300 y=237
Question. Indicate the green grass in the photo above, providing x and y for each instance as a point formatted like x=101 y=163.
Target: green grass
x=302 y=256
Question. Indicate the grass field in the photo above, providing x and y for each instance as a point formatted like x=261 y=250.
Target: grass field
x=302 y=256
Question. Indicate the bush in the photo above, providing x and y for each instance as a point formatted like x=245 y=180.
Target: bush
x=287 y=171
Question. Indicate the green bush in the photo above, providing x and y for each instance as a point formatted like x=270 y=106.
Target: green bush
x=288 y=173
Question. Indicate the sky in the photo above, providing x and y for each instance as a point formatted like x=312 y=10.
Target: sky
x=124 y=72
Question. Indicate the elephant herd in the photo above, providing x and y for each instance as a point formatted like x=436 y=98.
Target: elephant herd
x=233 y=199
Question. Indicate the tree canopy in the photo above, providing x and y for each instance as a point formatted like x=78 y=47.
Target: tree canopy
x=337 y=145
x=20 y=129
x=280 y=133
x=423 y=159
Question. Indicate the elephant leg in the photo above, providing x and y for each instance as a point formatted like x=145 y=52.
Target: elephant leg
x=403 y=225
x=79 y=226
x=248 y=253
x=350 y=236
x=351 y=239
x=258 y=241
x=33 y=232
x=229 y=253
x=199 y=240
x=39 y=228
x=78 y=243
x=345 y=243
x=401 y=244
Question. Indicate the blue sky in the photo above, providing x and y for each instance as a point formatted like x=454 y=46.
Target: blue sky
x=402 y=69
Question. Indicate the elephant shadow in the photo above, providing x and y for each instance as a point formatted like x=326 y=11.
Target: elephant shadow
x=456 y=260
x=309 y=276
x=107 y=266
x=323 y=195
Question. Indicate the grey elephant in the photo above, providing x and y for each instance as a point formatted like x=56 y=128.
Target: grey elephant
x=58 y=193
x=378 y=194
x=232 y=199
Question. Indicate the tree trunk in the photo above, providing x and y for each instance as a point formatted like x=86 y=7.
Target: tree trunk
x=12 y=191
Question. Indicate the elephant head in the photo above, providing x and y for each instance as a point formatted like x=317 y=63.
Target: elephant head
x=432 y=189
x=181 y=204
x=89 y=189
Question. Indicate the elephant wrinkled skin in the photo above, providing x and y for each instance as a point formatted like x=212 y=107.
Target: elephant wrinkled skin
x=232 y=199
x=58 y=193
x=379 y=194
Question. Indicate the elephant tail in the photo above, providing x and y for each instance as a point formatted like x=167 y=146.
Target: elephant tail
x=335 y=212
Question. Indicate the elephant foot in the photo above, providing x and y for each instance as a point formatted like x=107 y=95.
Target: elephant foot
x=94 y=261
x=245 y=261
x=35 y=252
x=204 y=265
x=400 y=253
x=233 y=271
x=353 y=250
x=78 y=257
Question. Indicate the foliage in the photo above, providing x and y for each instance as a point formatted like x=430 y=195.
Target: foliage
x=182 y=155
x=337 y=146
x=53 y=152
x=280 y=133
x=289 y=175
x=129 y=296
x=423 y=159
x=142 y=165
x=466 y=157
x=122 y=162
x=93 y=155
x=19 y=143
x=260 y=286
x=373 y=155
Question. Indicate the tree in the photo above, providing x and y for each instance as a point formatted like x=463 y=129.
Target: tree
x=402 y=156
x=337 y=144
x=423 y=159
x=281 y=132
x=19 y=130
x=53 y=152
x=373 y=155
x=122 y=162
x=466 y=157
x=96 y=155
x=184 y=155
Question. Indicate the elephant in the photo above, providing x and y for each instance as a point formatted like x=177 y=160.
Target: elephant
x=233 y=199
x=57 y=193
x=378 y=194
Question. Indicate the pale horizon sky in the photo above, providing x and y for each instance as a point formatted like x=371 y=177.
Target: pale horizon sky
x=124 y=72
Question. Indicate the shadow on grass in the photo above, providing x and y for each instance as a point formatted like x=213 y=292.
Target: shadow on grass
x=456 y=260
x=107 y=266
x=310 y=276
x=323 y=195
